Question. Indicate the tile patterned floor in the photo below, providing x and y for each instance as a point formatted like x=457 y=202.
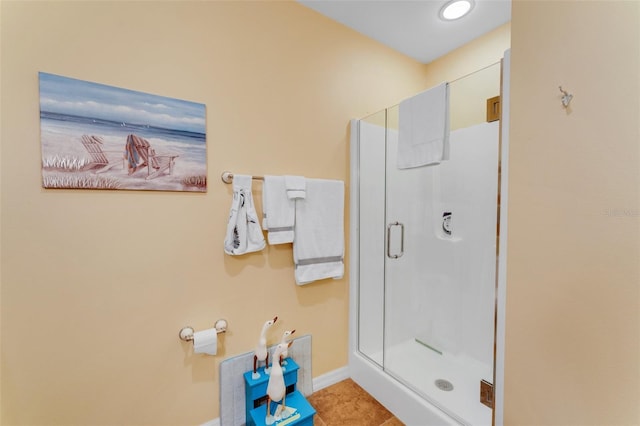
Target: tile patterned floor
x=347 y=404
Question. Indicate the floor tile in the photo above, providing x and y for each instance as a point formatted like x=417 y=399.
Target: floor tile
x=317 y=421
x=347 y=404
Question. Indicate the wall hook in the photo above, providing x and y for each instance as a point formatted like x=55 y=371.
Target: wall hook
x=566 y=97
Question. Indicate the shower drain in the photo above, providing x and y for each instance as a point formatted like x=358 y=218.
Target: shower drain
x=444 y=385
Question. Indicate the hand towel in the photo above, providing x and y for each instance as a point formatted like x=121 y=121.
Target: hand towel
x=318 y=246
x=279 y=211
x=423 y=134
x=296 y=187
x=243 y=230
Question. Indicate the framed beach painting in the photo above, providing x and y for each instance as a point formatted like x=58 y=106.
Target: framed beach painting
x=95 y=136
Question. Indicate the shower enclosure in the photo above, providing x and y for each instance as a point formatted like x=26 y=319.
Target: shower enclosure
x=425 y=263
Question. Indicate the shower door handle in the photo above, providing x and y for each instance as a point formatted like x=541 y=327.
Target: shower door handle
x=389 y=226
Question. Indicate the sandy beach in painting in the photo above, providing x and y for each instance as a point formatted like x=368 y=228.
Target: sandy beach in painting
x=62 y=139
x=71 y=109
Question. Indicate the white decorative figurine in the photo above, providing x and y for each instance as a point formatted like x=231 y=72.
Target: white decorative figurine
x=261 y=353
x=285 y=353
x=276 y=389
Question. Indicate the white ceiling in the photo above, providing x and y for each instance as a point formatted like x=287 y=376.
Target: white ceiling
x=413 y=27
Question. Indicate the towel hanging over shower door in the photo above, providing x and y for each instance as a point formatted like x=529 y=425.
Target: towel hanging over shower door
x=423 y=128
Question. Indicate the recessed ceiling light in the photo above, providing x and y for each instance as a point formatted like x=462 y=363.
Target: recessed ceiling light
x=456 y=9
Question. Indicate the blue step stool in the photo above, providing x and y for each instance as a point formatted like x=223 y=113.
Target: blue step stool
x=303 y=415
x=256 y=398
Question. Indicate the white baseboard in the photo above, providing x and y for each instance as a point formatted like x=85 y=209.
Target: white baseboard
x=330 y=378
x=320 y=382
x=214 y=422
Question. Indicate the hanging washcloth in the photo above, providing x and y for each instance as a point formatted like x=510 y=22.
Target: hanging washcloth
x=243 y=230
x=318 y=246
x=423 y=135
x=296 y=187
x=278 y=211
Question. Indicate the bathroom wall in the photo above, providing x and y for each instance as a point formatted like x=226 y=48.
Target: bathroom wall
x=469 y=58
x=468 y=95
x=573 y=296
x=478 y=61
x=97 y=284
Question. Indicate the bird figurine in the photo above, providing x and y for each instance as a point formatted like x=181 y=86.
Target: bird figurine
x=261 y=353
x=285 y=353
x=276 y=388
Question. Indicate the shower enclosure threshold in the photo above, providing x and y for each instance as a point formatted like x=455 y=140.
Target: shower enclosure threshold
x=424 y=368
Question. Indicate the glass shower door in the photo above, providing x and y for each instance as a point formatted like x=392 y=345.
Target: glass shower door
x=440 y=260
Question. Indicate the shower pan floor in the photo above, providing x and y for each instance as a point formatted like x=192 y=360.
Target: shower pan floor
x=420 y=368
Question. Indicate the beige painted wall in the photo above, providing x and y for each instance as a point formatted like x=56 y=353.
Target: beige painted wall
x=573 y=299
x=468 y=59
x=92 y=301
x=473 y=77
x=474 y=73
x=96 y=285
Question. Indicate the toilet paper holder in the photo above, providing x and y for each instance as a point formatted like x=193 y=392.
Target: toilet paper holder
x=186 y=333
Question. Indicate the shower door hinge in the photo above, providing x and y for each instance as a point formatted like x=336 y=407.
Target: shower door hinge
x=493 y=109
x=486 y=393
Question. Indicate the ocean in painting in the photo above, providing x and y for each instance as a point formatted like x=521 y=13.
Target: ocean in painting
x=72 y=108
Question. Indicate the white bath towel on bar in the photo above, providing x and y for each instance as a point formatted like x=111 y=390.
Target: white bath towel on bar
x=318 y=246
x=296 y=187
x=243 y=230
x=279 y=211
x=423 y=134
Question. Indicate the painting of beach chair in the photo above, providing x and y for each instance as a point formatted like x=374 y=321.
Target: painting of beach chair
x=139 y=154
x=99 y=161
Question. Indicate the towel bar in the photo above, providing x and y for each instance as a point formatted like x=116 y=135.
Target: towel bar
x=186 y=333
x=227 y=177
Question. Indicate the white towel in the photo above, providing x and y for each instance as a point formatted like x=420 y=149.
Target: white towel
x=279 y=211
x=423 y=134
x=318 y=246
x=243 y=230
x=296 y=187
